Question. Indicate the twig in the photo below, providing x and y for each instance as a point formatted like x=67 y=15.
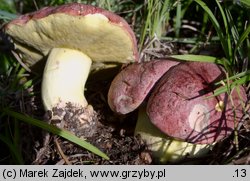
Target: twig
x=61 y=153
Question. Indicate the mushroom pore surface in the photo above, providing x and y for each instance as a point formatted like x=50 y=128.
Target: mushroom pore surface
x=101 y=35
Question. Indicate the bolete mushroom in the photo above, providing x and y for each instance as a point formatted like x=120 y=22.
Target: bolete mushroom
x=164 y=148
x=69 y=38
x=131 y=86
x=179 y=106
x=181 y=120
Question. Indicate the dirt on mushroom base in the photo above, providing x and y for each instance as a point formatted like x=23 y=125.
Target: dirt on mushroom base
x=116 y=140
x=83 y=122
x=122 y=149
x=117 y=143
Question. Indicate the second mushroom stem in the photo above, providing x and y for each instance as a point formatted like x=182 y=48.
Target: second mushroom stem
x=64 y=78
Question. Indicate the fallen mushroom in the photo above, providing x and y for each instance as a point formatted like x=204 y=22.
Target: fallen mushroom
x=183 y=122
x=131 y=86
x=70 y=37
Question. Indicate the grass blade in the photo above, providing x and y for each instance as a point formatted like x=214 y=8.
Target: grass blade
x=178 y=20
x=192 y=40
x=199 y=58
x=12 y=149
x=215 y=24
x=235 y=83
x=53 y=129
x=245 y=3
x=237 y=76
x=235 y=35
x=228 y=49
x=6 y=15
x=242 y=38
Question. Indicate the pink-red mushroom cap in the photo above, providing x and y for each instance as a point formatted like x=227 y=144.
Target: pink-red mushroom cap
x=179 y=106
x=132 y=85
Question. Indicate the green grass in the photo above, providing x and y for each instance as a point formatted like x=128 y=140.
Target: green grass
x=220 y=23
x=12 y=74
x=53 y=129
x=232 y=43
x=156 y=16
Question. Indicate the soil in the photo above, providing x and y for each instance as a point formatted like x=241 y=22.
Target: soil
x=111 y=133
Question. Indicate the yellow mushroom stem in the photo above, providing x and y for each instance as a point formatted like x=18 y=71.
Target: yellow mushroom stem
x=166 y=149
x=64 y=78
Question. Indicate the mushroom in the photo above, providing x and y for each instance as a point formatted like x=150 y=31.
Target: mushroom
x=131 y=86
x=179 y=120
x=164 y=148
x=68 y=39
x=179 y=105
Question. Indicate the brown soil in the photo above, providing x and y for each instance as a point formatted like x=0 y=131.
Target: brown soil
x=111 y=133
